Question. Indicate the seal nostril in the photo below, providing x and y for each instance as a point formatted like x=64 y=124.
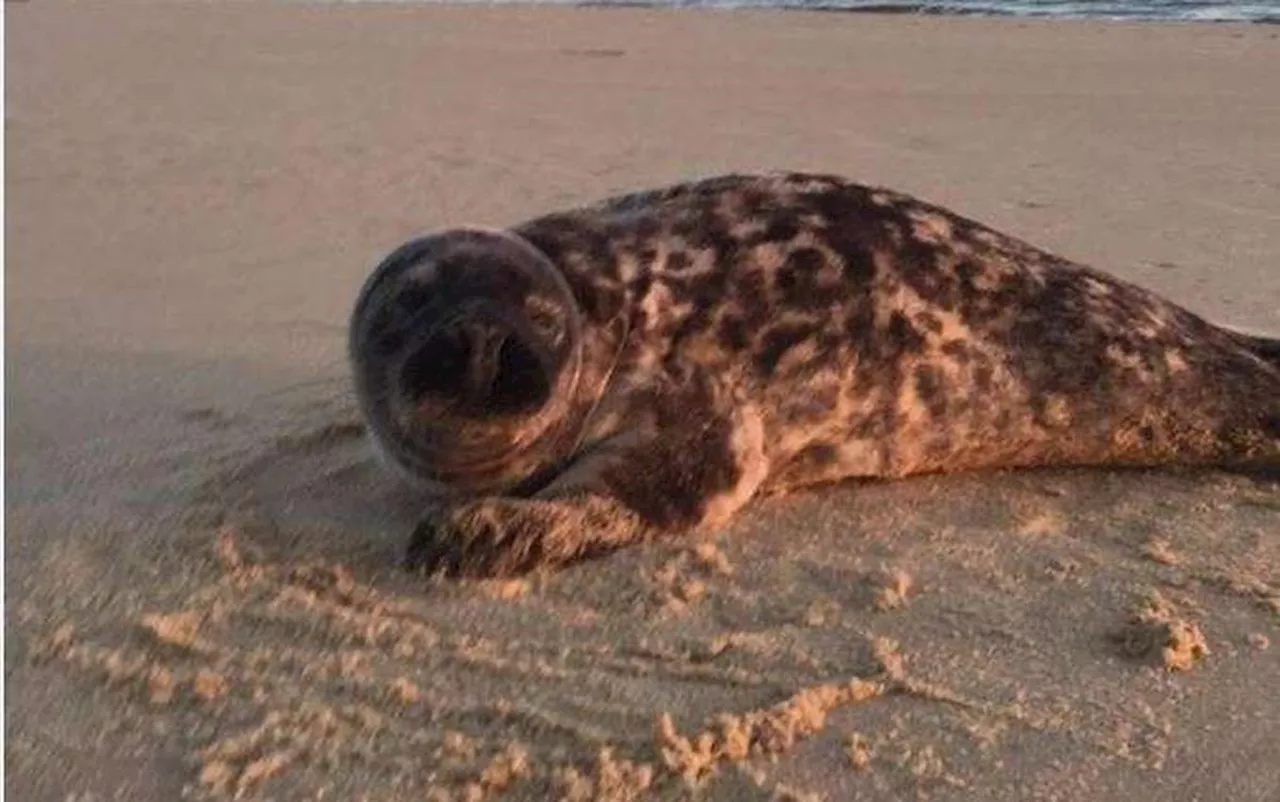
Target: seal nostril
x=437 y=369
x=522 y=383
x=476 y=371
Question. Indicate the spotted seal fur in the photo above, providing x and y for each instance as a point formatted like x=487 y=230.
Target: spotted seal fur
x=649 y=363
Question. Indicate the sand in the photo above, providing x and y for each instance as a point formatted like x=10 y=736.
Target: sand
x=201 y=593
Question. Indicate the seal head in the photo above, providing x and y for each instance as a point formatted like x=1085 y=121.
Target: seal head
x=467 y=352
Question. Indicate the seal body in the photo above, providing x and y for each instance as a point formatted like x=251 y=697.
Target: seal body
x=742 y=334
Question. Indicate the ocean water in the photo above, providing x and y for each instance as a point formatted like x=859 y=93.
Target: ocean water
x=1258 y=11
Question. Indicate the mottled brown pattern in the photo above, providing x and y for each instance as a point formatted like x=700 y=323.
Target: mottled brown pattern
x=705 y=342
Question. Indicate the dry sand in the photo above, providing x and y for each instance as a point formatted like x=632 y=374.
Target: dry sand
x=201 y=592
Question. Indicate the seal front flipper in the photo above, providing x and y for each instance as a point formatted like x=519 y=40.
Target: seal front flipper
x=697 y=458
x=502 y=536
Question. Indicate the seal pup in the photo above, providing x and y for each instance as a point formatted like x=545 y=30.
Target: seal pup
x=649 y=363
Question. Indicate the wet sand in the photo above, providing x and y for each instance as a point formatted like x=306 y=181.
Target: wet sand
x=201 y=591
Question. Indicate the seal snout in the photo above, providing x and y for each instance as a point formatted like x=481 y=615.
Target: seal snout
x=466 y=348
x=476 y=367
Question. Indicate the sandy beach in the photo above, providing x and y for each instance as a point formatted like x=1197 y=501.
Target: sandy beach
x=202 y=599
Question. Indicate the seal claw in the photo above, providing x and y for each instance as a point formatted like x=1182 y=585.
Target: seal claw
x=490 y=537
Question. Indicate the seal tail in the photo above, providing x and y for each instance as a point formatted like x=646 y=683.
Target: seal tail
x=1266 y=414
x=1263 y=347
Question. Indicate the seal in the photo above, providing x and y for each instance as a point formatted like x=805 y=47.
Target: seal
x=647 y=364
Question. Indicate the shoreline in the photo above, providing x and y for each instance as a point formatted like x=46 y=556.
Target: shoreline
x=874 y=9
